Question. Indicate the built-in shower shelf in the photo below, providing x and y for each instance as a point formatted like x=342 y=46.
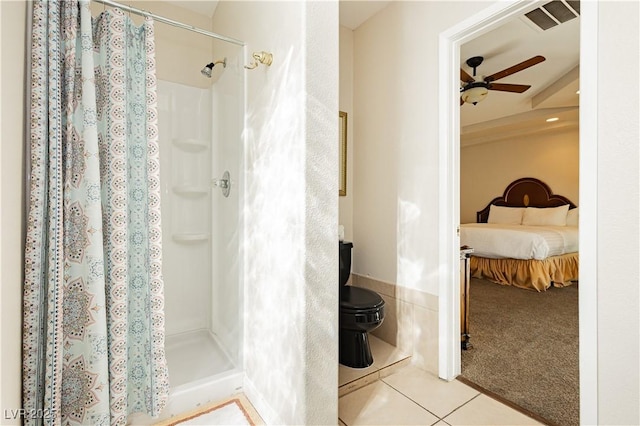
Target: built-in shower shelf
x=190 y=238
x=189 y=144
x=191 y=190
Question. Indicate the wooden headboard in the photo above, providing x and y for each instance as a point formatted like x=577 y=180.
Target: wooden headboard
x=525 y=192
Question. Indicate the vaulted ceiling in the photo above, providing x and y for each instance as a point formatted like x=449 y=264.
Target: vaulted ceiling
x=554 y=82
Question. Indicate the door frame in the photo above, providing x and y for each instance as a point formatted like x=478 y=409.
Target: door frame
x=449 y=350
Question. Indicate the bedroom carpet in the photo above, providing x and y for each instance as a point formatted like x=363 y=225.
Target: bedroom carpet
x=525 y=348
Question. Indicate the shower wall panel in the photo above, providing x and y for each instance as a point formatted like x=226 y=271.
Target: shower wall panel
x=227 y=95
x=200 y=139
x=185 y=153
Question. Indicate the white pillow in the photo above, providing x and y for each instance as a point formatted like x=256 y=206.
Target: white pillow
x=572 y=217
x=554 y=216
x=505 y=215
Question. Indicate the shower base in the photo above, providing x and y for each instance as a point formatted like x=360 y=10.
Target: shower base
x=200 y=372
x=194 y=355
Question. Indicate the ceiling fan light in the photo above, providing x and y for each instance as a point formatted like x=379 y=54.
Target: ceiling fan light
x=474 y=95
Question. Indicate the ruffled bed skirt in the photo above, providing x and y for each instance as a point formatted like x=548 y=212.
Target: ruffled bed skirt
x=534 y=274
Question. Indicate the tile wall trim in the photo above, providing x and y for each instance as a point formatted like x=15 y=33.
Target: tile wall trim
x=416 y=297
x=411 y=322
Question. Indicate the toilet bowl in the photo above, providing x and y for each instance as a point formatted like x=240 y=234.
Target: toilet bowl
x=361 y=311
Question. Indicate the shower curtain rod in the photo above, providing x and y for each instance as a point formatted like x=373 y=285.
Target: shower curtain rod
x=169 y=21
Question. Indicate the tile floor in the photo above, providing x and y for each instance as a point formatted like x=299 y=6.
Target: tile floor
x=393 y=392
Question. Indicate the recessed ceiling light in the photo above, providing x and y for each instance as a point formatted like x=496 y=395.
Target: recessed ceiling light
x=549 y=120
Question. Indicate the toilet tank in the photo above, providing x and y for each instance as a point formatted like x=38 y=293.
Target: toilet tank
x=345 y=261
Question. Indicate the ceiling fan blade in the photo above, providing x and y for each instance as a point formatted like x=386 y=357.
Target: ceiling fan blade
x=515 y=88
x=516 y=68
x=465 y=77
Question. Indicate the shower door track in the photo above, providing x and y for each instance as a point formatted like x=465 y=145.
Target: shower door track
x=170 y=21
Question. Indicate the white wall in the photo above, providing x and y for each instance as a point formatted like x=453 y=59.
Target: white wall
x=291 y=207
x=486 y=169
x=618 y=214
x=345 y=217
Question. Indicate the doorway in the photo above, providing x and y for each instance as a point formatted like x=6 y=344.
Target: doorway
x=449 y=215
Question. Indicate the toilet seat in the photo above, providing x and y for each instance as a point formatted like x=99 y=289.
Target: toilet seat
x=359 y=300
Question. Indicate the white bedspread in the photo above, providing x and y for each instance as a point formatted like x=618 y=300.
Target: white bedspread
x=498 y=241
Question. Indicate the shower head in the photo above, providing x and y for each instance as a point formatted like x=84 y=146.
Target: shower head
x=206 y=71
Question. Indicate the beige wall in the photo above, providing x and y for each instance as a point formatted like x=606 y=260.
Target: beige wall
x=12 y=92
x=345 y=217
x=395 y=213
x=375 y=153
x=486 y=169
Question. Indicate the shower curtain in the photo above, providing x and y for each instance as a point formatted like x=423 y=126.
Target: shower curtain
x=93 y=326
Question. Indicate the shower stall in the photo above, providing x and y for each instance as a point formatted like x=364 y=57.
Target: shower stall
x=201 y=148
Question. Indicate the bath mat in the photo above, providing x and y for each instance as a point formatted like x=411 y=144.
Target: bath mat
x=231 y=412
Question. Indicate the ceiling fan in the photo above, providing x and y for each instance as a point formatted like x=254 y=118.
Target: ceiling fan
x=473 y=91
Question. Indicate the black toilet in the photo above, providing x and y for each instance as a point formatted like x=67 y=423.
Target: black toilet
x=361 y=311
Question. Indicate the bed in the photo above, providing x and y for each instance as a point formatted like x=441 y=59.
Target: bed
x=528 y=238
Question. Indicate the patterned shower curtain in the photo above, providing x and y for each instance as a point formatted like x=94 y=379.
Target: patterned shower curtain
x=93 y=326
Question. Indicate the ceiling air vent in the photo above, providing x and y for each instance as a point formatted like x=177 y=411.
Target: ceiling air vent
x=554 y=13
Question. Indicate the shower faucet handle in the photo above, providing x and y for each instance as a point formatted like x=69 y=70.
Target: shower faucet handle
x=224 y=183
x=220 y=183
